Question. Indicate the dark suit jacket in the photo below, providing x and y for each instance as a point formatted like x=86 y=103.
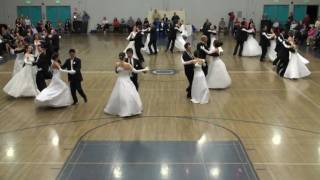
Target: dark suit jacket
x=173 y=31
x=264 y=41
x=138 y=40
x=76 y=66
x=190 y=67
x=55 y=41
x=279 y=45
x=43 y=63
x=153 y=34
x=201 y=54
x=137 y=64
x=241 y=35
x=285 y=52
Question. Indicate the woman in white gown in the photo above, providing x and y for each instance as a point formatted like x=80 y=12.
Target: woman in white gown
x=296 y=68
x=180 y=42
x=272 y=54
x=58 y=93
x=131 y=43
x=251 y=47
x=218 y=76
x=19 y=52
x=124 y=100
x=199 y=90
x=23 y=84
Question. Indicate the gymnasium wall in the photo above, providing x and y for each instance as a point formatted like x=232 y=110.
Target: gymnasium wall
x=196 y=10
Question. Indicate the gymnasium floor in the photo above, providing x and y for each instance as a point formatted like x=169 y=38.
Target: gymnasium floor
x=262 y=127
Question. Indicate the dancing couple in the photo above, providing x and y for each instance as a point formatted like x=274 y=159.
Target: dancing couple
x=125 y=100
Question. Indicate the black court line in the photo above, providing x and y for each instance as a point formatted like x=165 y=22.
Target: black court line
x=139 y=117
x=183 y=118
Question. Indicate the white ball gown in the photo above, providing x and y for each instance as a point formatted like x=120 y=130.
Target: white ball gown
x=180 y=42
x=124 y=100
x=131 y=44
x=272 y=54
x=251 y=47
x=296 y=68
x=57 y=94
x=199 y=90
x=23 y=84
x=18 y=63
x=218 y=76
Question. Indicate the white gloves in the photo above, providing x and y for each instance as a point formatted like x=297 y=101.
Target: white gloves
x=68 y=71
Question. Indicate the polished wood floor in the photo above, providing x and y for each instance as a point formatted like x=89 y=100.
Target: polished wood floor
x=276 y=119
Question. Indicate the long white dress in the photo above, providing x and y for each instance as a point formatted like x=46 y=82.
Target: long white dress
x=218 y=76
x=251 y=47
x=18 y=63
x=296 y=68
x=199 y=90
x=23 y=84
x=272 y=54
x=124 y=100
x=180 y=42
x=131 y=44
x=57 y=94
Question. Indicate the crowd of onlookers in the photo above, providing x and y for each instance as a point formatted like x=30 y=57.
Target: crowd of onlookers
x=305 y=31
x=24 y=33
x=121 y=25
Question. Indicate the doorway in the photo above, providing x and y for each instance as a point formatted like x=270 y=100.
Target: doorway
x=312 y=11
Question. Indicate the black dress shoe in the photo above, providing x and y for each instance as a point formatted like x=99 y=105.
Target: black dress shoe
x=75 y=103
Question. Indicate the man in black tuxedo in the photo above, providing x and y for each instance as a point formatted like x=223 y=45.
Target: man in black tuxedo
x=241 y=37
x=136 y=64
x=175 y=18
x=279 y=46
x=55 y=41
x=284 y=57
x=74 y=63
x=153 y=39
x=201 y=52
x=172 y=35
x=43 y=63
x=265 y=42
x=138 y=44
x=188 y=62
x=206 y=32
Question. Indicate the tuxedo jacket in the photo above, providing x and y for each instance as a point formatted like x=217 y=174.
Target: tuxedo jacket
x=43 y=62
x=241 y=35
x=153 y=34
x=173 y=31
x=138 y=40
x=136 y=64
x=189 y=67
x=285 y=52
x=200 y=53
x=76 y=65
x=264 y=41
x=55 y=41
x=279 y=45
